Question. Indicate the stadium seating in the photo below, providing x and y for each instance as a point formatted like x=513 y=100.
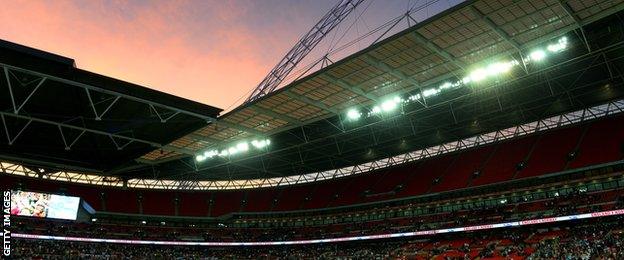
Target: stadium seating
x=260 y=200
x=602 y=143
x=549 y=152
x=194 y=204
x=595 y=240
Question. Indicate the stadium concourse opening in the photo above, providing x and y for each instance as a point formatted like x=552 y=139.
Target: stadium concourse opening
x=491 y=129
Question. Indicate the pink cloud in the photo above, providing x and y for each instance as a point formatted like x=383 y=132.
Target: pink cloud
x=154 y=45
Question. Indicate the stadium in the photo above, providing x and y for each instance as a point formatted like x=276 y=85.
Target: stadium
x=493 y=129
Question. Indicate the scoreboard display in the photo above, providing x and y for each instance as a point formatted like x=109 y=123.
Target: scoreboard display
x=44 y=205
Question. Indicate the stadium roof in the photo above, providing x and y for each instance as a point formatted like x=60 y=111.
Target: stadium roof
x=306 y=123
x=434 y=50
x=55 y=115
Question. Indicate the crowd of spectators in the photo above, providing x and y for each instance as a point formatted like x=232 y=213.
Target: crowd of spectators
x=582 y=240
x=589 y=241
x=596 y=241
x=42 y=249
x=564 y=205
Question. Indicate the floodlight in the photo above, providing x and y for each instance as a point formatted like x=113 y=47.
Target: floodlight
x=466 y=80
x=375 y=110
x=430 y=92
x=242 y=147
x=537 y=55
x=499 y=68
x=224 y=153
x=232 y=150
x=388 y=105
x=200 y=158
x=353 y=114
x=211 y=153
x=414 y=97
x=562 y=44
x=260 y=144
x=478 y=75
x=446 y=85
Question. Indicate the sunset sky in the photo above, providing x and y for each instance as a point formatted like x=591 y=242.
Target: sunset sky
x=214 y=52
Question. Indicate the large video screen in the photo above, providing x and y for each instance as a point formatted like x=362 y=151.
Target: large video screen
x=43 y=205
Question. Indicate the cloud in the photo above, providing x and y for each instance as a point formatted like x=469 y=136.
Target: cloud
x=211 y=51
x=207 y=51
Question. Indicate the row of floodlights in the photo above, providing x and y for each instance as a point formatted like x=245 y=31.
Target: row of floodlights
x=241 y=147
x=495 y=69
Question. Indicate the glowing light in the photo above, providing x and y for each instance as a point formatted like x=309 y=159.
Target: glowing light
x=430 y=92
x=499 y=68
x=388 y=105
x=478 y=75
x=259 y=144
x=466 y=80
x=375 y=110
x=242 y=147
x=446 y=85
x=211 y=153
x=354 y=114
x=492 y=70
x=414 y=97
x=561 y=45
x=200 y=158
x=537 y=55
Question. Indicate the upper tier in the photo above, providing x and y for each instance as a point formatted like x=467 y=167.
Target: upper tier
x=543 y=153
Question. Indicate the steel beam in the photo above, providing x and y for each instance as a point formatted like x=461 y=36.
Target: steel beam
x=69 y=145
x=613 y=107
x=163 y=119
x=577 y=21
x=30 y=95
x=101 y=90
x=98 y=132
x=303 y=47
x=6 y=129
x=443 y=103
